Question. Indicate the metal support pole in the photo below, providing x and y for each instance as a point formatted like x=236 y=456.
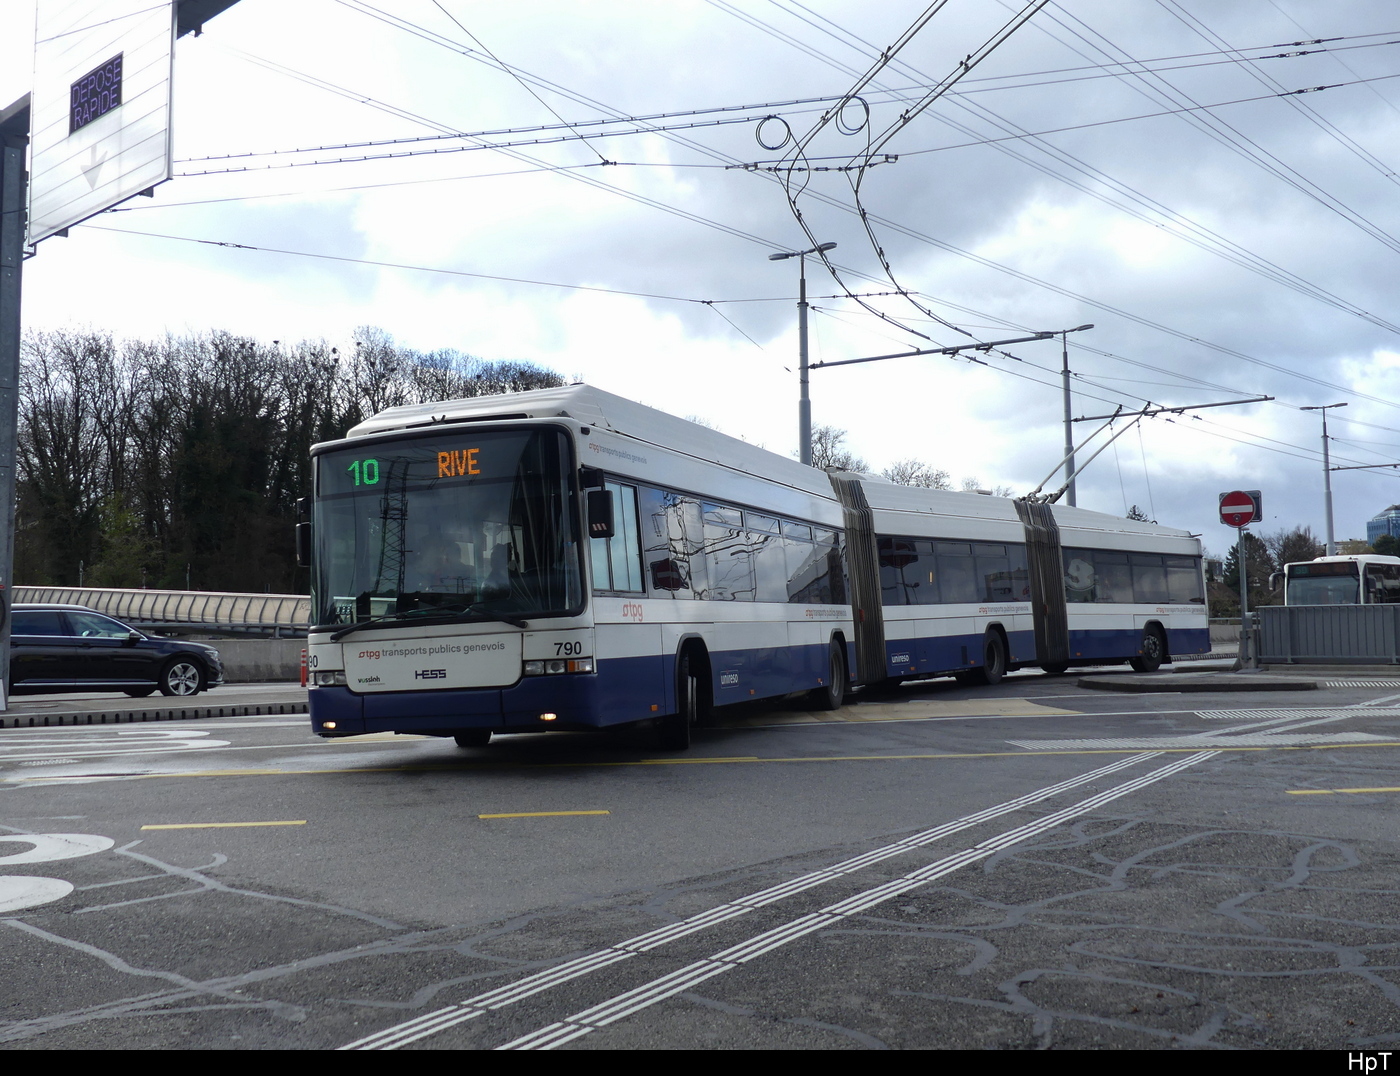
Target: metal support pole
x=804 y=401
x=1327 y=490
x=1326 y=475
x=14 y=136
x=1069 y=436
x=1244 y=601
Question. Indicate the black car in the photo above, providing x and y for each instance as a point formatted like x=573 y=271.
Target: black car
x=73 y=648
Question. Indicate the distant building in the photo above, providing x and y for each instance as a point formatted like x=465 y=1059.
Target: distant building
x=1388 y=522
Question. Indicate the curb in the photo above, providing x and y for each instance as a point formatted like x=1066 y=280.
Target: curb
x=123 y=717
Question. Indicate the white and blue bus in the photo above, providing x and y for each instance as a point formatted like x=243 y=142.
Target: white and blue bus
x=568 y=559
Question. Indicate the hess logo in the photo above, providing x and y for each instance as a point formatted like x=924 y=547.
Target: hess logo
x=632 y=611
x=430 y=674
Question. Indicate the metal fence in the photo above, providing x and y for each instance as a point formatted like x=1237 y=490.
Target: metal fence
x=186 y=610
x=1330 y=634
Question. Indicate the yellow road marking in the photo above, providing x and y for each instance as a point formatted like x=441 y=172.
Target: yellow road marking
x=540 y=814
x=1221 y=747
x=1334 y=791
x=223 y=825
x=908 y=711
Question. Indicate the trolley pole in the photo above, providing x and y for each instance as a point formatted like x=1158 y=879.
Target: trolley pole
x=1069 y=435
x=804 y=400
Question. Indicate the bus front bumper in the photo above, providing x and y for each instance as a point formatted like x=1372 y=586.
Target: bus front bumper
x=525 y=706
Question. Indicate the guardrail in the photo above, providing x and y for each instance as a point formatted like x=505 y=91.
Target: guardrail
x=1329 y=634
x=186 y=610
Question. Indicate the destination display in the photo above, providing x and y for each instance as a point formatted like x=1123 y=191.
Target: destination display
x=429 y=460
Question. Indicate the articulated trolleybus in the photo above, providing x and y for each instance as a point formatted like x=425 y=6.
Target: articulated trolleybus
x=568 y=559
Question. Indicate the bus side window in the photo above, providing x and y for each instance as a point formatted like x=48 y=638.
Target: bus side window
x=957 y=573
x=1184 y=580
x=666 y=575
x=617 y=561
x=1382 y=584
x=769 y=560
x=1113 y=577
x=831 y=588
x=1149 y=578
x=895 y=554
x=994 y=573
x=728 y=555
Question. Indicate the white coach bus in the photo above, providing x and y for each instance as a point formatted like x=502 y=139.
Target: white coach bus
x=1360 y=579
x=568 y=559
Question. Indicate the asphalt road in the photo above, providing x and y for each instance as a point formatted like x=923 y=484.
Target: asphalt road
x=1026 y=866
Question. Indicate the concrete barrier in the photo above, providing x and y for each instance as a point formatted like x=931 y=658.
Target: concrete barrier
x=258 y=660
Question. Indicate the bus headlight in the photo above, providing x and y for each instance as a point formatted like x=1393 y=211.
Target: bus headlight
x=555 y=666
x=329 y=679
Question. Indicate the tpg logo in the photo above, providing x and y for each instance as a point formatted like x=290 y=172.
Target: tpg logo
x=632 y=611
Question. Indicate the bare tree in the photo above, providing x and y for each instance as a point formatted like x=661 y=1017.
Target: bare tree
x=914 y=472
x=973 y=484
x=1289 y=546
x=829 y=451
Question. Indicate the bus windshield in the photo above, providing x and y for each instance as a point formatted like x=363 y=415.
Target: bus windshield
x=1323 y=584
x=477 y=525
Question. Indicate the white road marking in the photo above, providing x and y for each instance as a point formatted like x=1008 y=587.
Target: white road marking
x=96 y=744
x=1201 y=740
x=21 y=891
x=642 y=997
x=18 y=891
x=1282 y=712
x=52 y=847
x=431 y=1023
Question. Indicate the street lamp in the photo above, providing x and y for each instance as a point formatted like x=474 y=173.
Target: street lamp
x=1326 y=474
x=804 y=403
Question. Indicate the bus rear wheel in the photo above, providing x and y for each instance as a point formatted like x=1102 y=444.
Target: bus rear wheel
x=832 y=694
x=993 y=666
x=1152 y=651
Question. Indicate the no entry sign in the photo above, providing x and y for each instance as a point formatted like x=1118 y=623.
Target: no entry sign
x=1241 y=507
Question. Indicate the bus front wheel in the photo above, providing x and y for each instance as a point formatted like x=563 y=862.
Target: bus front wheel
x=473 y=738
x=673 y=730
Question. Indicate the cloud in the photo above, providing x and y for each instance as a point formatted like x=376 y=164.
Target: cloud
x=1087 y=221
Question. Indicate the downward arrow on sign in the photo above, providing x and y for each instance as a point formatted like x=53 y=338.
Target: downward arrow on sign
x=94 y=166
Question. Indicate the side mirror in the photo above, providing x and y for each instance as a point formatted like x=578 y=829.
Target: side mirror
x=303 y=545
x=1274 y=580
x=600 y=514
x=133 y=638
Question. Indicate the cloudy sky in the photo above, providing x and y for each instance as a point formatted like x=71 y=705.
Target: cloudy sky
x=1140 y=165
